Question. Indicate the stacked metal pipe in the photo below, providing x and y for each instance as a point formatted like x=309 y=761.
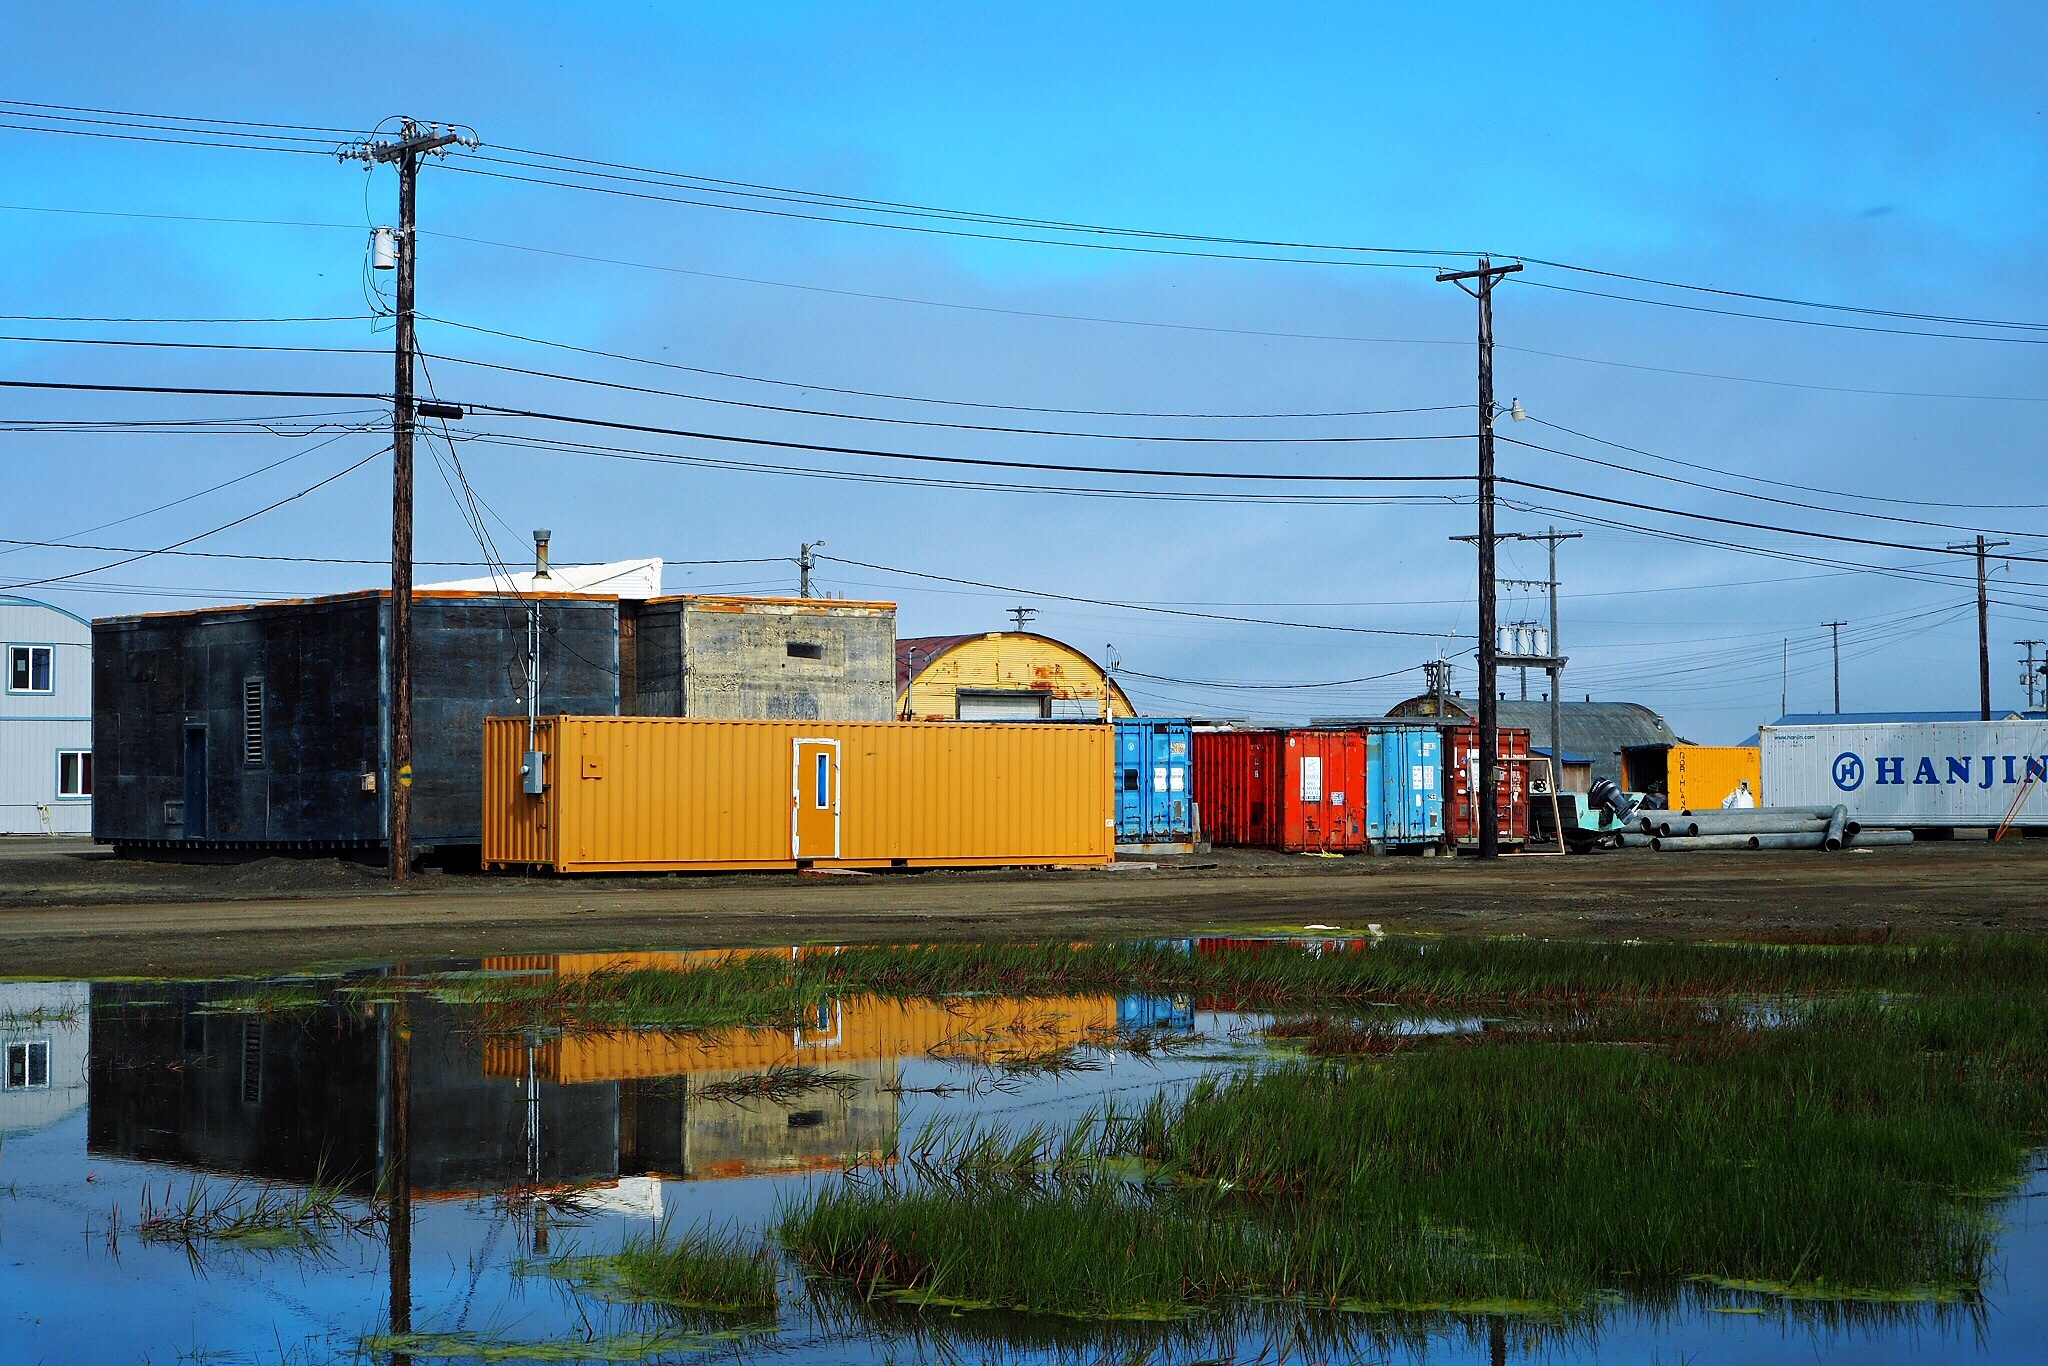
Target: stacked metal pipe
x=1761 y=827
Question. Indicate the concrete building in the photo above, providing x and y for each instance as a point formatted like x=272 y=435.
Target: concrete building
x=46 y=775
x=1001 y=676
x=760 y=659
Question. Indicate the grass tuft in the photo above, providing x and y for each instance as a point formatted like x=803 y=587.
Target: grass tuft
x=703 y=1270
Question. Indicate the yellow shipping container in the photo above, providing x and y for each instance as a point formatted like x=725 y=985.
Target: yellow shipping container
x=1694 y=777
x=651 y=794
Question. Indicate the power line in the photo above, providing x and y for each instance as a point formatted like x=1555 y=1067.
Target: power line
x=1131 y=607
x=1826 y=323
x=946 y=402
x=285 y=137
x=1170 y=438
x=1267 y=687
x=639 y=455
x=1741 y=493
x=175 y=545
x=1779 y=483
x=195 y=345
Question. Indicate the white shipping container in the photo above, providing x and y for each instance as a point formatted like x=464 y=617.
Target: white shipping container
x=1923 y=773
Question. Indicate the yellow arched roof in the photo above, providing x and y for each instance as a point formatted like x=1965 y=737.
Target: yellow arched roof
x=932 y=670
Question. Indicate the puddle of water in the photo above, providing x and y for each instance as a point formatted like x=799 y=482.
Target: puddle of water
x=138 y=1098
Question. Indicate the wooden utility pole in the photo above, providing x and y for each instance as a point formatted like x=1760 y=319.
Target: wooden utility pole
x=1835 y=631
x=414 y=141
x=1489 y=681
x=1983 y=626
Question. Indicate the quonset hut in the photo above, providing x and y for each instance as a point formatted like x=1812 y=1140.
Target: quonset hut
x=1002 y=676
x=266 y=727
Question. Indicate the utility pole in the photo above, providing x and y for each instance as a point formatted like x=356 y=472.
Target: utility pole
x=1784 y=673
x=805 y=562
x=1835 y=630
x=1023 y=616
x=1983 y=626
x=2032 y=679
x=1548 y=654
x=414 y=141
x=1489 y=710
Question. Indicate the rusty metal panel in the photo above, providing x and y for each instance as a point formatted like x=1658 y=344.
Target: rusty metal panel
x=1298 y=790
x=1324 y=792
x=1237 y=776
x=672 y=793
x=932 y=672
x=1461 y=784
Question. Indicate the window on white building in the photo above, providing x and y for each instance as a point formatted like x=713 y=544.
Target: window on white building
x=74 y=773
x=28 y=669
x=28 y=1065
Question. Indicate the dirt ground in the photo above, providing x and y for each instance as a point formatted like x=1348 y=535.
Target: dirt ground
x=70 y=909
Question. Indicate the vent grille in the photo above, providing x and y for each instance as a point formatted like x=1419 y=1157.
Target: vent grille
x=252 y=721
x=252 y=1062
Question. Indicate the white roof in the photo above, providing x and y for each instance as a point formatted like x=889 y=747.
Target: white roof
x=626 y=578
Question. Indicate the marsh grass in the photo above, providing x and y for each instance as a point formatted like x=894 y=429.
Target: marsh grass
x=269 y=998
x=1848 y=1151
x=752 y=990
x=260 y=1219
x=652 y=1345
x=781 y=1085
x=701 y=1270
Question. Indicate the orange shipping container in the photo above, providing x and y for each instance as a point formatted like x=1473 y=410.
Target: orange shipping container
x=635 y=794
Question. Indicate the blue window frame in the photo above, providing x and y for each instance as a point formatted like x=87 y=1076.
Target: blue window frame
x=824 y=795
x=74 y=775
x=31 y=668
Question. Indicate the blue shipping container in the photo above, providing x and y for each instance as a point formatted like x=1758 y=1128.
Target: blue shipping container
x=1404 y=785
x=1154 y=799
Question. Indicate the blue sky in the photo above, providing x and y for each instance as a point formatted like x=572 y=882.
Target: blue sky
x=1890 y=156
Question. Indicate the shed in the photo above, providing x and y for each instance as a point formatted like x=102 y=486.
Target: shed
x=46 y=776
x=760 y=659
x=265 y=727
x=1001 y=676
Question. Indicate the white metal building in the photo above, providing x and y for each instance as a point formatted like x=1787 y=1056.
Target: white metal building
x=45 y=720
x=45 y=1038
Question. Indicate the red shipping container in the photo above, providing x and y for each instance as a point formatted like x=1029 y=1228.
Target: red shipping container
x=1282 y=789
x=1461 y=785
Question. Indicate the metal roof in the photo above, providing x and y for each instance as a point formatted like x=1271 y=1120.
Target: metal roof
x=1598 y=731
x=9 y=600
x=1886 y=718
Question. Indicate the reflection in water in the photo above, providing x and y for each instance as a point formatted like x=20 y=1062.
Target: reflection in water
x=566 y=1140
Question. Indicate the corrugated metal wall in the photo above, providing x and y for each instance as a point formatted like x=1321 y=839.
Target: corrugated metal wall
x=36 y=726
x=630 y=792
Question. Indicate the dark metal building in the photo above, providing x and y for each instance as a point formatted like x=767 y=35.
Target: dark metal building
x=265 y=727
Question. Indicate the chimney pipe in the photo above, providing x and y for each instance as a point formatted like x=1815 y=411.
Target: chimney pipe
x=540 y=554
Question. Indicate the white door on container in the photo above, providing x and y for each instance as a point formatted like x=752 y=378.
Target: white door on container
x=814 y=818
